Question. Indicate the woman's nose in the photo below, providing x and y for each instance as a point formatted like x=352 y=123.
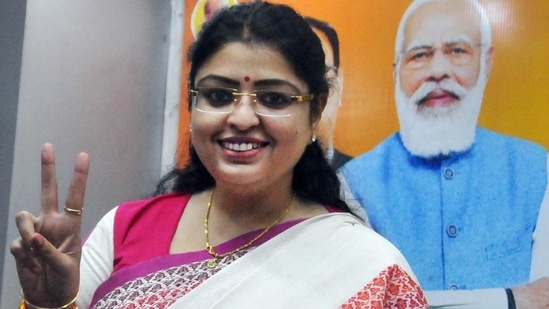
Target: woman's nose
x=243 y=115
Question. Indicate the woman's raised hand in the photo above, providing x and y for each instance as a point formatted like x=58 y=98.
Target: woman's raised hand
x=48 y=251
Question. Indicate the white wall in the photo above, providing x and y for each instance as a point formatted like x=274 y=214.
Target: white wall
x=93 y=78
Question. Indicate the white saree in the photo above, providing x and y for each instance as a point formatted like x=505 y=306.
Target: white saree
x=328 y=261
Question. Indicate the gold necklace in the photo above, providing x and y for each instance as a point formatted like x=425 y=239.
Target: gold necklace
x=216 y=256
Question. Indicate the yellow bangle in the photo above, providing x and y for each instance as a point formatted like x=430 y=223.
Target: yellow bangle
x=70 y=305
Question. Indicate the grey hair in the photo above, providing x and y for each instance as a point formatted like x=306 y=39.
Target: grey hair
x=485 y=29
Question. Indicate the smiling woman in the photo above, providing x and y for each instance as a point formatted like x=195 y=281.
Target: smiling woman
x=255 y=212
x=280 y=140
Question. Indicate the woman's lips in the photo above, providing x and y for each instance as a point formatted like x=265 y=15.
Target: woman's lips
x=239 y=148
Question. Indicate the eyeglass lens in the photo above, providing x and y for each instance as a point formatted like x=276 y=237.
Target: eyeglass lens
x=268 y=102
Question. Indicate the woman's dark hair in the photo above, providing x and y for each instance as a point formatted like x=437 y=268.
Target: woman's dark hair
x=279 y=27
x=330 y=34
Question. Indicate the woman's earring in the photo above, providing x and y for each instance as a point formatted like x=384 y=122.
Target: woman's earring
x=313 y=139
x=190 y=129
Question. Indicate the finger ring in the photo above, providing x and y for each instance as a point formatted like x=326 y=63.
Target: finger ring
x=73 y=211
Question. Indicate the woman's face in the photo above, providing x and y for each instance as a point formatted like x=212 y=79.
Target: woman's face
x=240 y=146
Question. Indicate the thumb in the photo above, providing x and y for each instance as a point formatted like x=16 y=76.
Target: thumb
x=51 y=255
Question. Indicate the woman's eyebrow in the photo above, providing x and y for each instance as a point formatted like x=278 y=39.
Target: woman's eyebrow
x=235 y=83
x=275 y=82
x=219 y=78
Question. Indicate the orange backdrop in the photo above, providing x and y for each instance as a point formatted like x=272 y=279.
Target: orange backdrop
x=516 y=98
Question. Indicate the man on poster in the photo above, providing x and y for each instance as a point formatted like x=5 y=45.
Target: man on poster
x=330 y=41
x=468 y=207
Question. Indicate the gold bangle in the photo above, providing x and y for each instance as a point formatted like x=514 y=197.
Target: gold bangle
x=70 y=305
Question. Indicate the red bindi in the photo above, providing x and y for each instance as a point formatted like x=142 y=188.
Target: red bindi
x=246 y=78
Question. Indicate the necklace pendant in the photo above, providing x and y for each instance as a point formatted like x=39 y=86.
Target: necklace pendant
x=212 y=263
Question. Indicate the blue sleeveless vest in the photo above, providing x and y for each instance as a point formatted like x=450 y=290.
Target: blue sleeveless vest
x=462 y=222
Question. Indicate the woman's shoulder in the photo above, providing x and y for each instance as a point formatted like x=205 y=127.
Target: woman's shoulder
x=365 y=240
x=161 y=203
x=148 y=223
x=163 y=208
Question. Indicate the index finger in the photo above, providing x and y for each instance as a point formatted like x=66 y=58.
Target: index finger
x=49 y=179
x=74 y=202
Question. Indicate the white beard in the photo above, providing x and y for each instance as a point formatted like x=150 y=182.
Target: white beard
x=439 y=130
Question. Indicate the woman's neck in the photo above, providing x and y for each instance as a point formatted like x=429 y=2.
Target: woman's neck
x=247 y=208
